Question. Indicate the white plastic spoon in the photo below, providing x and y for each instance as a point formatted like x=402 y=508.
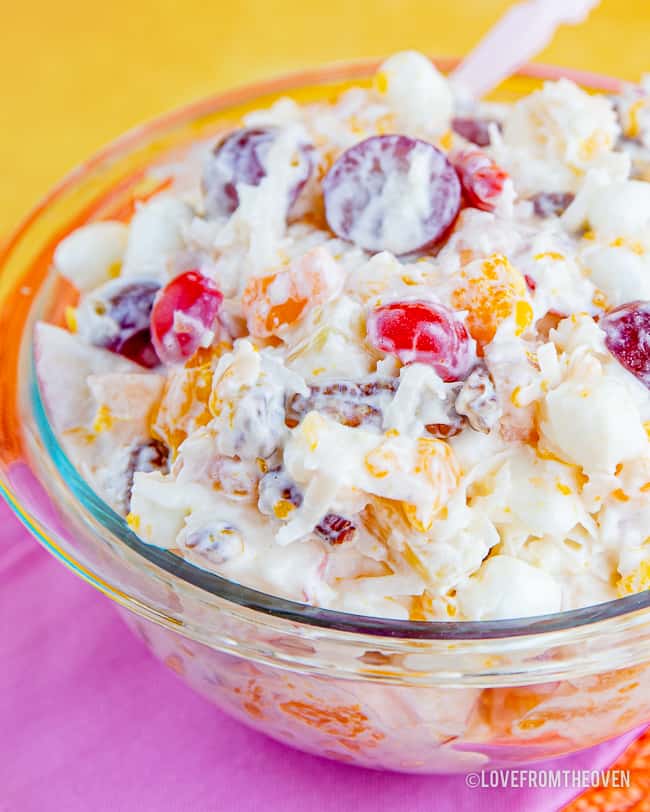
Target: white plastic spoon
x=519 y=35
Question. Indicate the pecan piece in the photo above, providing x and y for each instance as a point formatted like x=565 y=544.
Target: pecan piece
x=335 y=529
x=353 y=403
x=150 y=456
x=477 y=401
x=546 y=204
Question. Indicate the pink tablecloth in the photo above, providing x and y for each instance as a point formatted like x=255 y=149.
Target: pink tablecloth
x=89 y=721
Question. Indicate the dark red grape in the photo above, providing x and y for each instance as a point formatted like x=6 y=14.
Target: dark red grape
x=220 y=541
x=276 y=487
x=627 y=337
x=547 y=204
x=240 y=158
x=475 y=130
x=423 y=332
x=182 y=314
x=481 y=178
x=126 y=308
x=392 y=193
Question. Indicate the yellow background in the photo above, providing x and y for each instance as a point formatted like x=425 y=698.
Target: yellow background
x=77 y=73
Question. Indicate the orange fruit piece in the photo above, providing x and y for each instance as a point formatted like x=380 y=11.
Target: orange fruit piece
x=491 y=291
x=184 y=404
x=263 y=316
x=280 y=299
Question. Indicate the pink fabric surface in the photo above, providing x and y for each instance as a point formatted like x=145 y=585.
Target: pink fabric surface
x=90 y=721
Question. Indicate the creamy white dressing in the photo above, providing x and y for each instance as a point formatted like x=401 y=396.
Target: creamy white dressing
x=308 y=464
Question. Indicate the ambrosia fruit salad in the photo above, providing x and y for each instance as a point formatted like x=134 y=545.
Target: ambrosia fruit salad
x=388 y=355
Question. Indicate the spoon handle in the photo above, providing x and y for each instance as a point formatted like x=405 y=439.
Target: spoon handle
x=523 y=31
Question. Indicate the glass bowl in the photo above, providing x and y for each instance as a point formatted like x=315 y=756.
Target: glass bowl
x=410 y=696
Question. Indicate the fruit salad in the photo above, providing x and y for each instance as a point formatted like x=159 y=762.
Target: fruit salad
x=388 y=355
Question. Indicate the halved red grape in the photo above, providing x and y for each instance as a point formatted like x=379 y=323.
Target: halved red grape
x=627 y=337
x=124 y=310
x=481 y=178
x=476 y=130
x=391 y=193
x=183 y=316
x=241 y=158
x=425 y=333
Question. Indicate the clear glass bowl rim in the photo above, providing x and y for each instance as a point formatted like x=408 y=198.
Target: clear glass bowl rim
x=628 y=607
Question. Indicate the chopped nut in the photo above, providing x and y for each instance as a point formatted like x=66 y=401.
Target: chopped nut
x=335 y=529
x=349 y=402
x=477 y=401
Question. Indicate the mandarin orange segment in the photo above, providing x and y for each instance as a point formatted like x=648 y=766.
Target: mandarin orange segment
x=175 y=662
x=264 y=317
x=280 y=299
x=617 y=679
x=184 y=405
x=492 y=290
x=383 y=518
x=501 y=711
x=285 y=313
x=436 y=463
x=343 y=721
x=253 y=700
